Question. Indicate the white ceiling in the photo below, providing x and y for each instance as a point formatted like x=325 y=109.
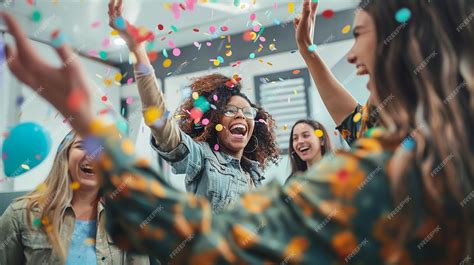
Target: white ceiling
x=75 y=18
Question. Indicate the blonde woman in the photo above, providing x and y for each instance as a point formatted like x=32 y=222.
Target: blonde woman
x=62 y=220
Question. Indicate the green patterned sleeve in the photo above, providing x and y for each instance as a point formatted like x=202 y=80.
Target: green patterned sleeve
x=350 y=126
x=310 y=220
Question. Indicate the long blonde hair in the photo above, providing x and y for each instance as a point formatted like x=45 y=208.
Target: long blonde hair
x=53 y=196
x=428 y=68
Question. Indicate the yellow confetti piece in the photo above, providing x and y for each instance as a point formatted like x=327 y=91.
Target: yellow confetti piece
x=114 y=33
x=41 y=187
x=167 y=63
x=219 y=127
x=295 y=92
x=108 y=82
x=195 y=95
x=118 y=77
x=346 y=29
x=357 y=117
x=89 y=241
x=285 y=127
x=319 y=133
x=75 y=185
x=127 y=147
x=45 y=221
x=253 y=35
x=151 y=115
x=99 y=127
x=228 y=53
x=272 y=47
x=291 y=7
x=216 y=63
x=25 y=166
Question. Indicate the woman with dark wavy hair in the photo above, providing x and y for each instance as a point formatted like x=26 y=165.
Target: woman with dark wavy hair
x=309 y=142
x=401 y=195
x=222 y=142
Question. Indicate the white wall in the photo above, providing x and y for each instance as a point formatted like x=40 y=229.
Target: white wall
x=36 y=109
x=331 y=53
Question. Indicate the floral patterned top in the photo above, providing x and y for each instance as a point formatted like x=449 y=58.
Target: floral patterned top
x=356 y=124
x=340 y=211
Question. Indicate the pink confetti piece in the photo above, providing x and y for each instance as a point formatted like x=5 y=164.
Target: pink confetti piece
x=176 y=52
x=171 y=44
x=208 y=44
x=253 y=16
x=216 y=147
x=129 y=100
x=130 y=81
x=176 y=10
x=93 y=53
x=190 y=4
x=212 y=29
x=95 y=25
x=106 y=42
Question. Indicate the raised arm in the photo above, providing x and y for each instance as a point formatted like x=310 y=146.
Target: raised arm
x=338 y=101
x=165 y=131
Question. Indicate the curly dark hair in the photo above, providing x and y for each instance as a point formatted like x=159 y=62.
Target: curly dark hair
x=224 y=88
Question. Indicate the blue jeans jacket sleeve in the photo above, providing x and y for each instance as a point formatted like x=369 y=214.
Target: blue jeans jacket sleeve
x=187 y=158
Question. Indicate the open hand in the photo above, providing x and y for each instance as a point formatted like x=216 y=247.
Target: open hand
x=133 y=36
x=304 y=25
x=65 y=87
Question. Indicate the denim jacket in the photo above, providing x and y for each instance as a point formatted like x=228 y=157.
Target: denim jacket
x=215 y=175
x=21 y=244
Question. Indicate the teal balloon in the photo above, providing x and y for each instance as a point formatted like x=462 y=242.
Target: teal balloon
x=25 y=147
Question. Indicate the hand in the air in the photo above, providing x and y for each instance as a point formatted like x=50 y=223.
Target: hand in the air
x=304 y=25
x=65 y=87
x=133 y=36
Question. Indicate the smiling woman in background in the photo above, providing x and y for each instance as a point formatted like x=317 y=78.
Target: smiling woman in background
x=309 y=142
x=221 y=148
x=62 y=219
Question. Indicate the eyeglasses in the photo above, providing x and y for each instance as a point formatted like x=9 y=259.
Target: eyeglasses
x=249 y=112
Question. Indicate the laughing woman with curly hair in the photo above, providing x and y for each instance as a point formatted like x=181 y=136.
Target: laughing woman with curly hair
x=222 y=142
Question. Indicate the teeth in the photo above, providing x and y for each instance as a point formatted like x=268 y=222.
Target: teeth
x=238 y=129
x=237 y=126
x=302 y=149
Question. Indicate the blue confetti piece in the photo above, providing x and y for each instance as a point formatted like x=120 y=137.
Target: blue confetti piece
x=409 y=144
x=120 y=23
x=403 y=15
x=220 y=59
x=252 y=55
x=165 y=53
x=59 y=40
x=312 y=47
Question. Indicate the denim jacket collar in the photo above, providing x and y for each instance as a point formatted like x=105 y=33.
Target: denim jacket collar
x=255 y=171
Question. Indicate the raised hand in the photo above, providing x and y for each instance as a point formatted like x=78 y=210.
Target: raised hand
x=65 y=87
x=133 y=36
x=304 y=25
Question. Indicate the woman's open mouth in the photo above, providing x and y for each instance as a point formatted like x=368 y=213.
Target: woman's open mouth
x=238 y=131
x=87 y=169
